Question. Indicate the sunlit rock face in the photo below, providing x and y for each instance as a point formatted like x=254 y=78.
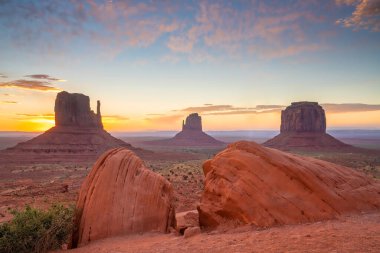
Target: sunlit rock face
x=249 y=184
x=122 y=196
x=303 y=117
x=74 y=110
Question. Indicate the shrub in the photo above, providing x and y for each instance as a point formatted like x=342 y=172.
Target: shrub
x=34 y=230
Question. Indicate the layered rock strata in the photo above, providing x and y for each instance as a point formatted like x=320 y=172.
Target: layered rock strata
x=250 y=184
x=122 y=196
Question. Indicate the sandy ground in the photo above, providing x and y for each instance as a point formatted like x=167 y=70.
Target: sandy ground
x=354 y=233
x=41 y=185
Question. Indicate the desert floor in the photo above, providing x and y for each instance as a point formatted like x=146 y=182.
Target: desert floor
x=42 y=184
x=358 y=233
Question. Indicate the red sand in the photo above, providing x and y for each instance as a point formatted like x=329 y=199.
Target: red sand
x=360 y=233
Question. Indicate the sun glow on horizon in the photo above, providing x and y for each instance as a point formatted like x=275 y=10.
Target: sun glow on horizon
x=266 y=121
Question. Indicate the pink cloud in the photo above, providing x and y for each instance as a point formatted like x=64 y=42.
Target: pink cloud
x=237 y=31
x=366 y=15
x=29 y=85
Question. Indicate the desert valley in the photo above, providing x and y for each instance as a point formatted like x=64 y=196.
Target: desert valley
x=189 y=126
x=243 y=195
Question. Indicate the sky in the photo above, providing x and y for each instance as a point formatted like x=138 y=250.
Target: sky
x=151 y=63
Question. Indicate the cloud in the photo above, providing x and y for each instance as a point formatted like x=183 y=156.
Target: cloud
x=180 y=44
x=29 y=85
x=269 y=107
x=170 y=58
x=114 y=118
x=347 y=108
x=267 y=30
x=3 y=76
x=230 y=108
x=211 y=109
x=365 y=16
x=201 y=30
x=45 y=77
x=243 y=112
x=112 y=26
x=224 y=110
x=207 y=108
x=29 y=115
x=155 y=114
x=48 y=117
x=165 y=119
x=8 y=102
x=198 y=31
x=283 y=52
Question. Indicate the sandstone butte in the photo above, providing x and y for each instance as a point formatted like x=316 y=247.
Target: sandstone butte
x=303 y=125
x=78 y=134
x=191 y=135
x=121 y=196
x=250 y=184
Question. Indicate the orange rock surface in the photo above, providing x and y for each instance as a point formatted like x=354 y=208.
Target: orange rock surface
x=251 y=184
x=121 y=196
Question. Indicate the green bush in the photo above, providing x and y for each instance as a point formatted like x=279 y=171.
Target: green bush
x=34 y=230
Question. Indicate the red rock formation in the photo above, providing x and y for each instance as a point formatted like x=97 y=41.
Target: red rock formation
x=303 y=117
x=74 y=110
x=186 y=220
x=121 y=196
x=250 y=184
x=193 y=122
x=191 y=135
x=303 y=125
x=78 y=134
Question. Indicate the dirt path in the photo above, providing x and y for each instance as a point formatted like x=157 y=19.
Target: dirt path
x=357 y=233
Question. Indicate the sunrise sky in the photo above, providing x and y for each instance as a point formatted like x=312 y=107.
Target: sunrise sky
x=237 y=63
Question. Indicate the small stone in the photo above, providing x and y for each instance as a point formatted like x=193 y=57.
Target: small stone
x=187 y=219
x=189 y=232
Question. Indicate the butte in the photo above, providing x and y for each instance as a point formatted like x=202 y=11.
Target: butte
x=190 y=136
x=78 y=135
x=303 y=126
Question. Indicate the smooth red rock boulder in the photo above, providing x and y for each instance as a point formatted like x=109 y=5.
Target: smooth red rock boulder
x=251 y=184
x=121 y=196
